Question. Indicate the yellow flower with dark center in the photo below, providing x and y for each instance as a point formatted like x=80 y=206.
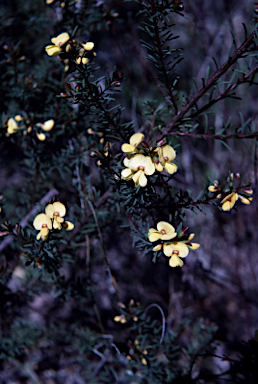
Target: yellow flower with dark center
x=138 y=167
x=134 y=141
x=56 y=211
x=175 y=251
x=43 y=224
x=166 y=155
x=164 y=231
x=55 y=48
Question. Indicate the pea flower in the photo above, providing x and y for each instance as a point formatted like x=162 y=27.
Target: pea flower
x=43 y=224
x=138 y=167
x=215 y=187
x=86 y=47
x=55 y=49
x=166 y=155
x=176 y=250
x=164 y=231
x=134 y=141
x=56 y=211
x=229 y=201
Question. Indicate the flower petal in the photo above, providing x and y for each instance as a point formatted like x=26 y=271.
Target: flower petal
x=136 y=139
x=41 y=136
x=142 y=179
x=68 y=225
x=39 y=221
x=175 y=261
x=157 y=248
x=170 y=167
x=60 y=208
x=48 y=125
x=88 y=46
x=49 y=210
x=193 y=246
x=52 y=50
x=168 y=228
x=154 y=235
x=61 y=39
x=127 y=174
x=148 y=165
x=128 y=148
x=168 y=153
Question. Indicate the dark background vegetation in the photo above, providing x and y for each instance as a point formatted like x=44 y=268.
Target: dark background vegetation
x=218 y=281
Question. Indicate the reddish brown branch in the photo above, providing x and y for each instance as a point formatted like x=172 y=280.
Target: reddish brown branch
x=210 y=82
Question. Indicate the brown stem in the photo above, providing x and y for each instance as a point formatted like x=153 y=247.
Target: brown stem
x=210 y=82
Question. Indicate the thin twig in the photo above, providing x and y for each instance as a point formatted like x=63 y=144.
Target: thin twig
x=53 y=192
x=210 y=82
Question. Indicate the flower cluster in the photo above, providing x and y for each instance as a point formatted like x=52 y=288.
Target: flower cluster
x=53 y=218
x=143 y=160
x=69 y=48
x=176 y=249
x=20 y=123
x=231 y=194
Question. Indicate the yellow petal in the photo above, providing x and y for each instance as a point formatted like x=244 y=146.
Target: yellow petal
x=149 y=167
x=126 y=174
x=53 y=50
x=167 y=229
x=193 y=246
x=49 y=210
x=229 y=201
x=68 y=226
x=142 y=179
x=137 y=161
x=158 y=167
x=40 y=220
x=154 y=235
x=212 y=188
x=85 y=60
x=170 y=167
x=136 y=176
x=191 y=236
x=157 y=248
x=128 y=148
x=48 y=125
x=18 y=118
x=41 y=136
x=168 y=153
x=176 y=246
x=60 y=208
x=61 y=39
x=56 y=225
x=88 y=46
x=136 y=139
x=175 y=261
x=245 y=200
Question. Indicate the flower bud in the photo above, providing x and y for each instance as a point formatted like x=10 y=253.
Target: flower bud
x=161 y=142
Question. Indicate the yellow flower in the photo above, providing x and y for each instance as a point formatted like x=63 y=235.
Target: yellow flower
x=48 y=125
x=175 y=251
x=190 y=244
x=12 y=126
x=164 y=231
x=229 y=201
x=134 y=141
x=138 y=167
x=245 y=200
x=166 y=155
x=55 y=49
x=41 y=136
x=56 y=211
x=43 y=224
x=68 y=225
x=215 y=187
x=86 y=47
